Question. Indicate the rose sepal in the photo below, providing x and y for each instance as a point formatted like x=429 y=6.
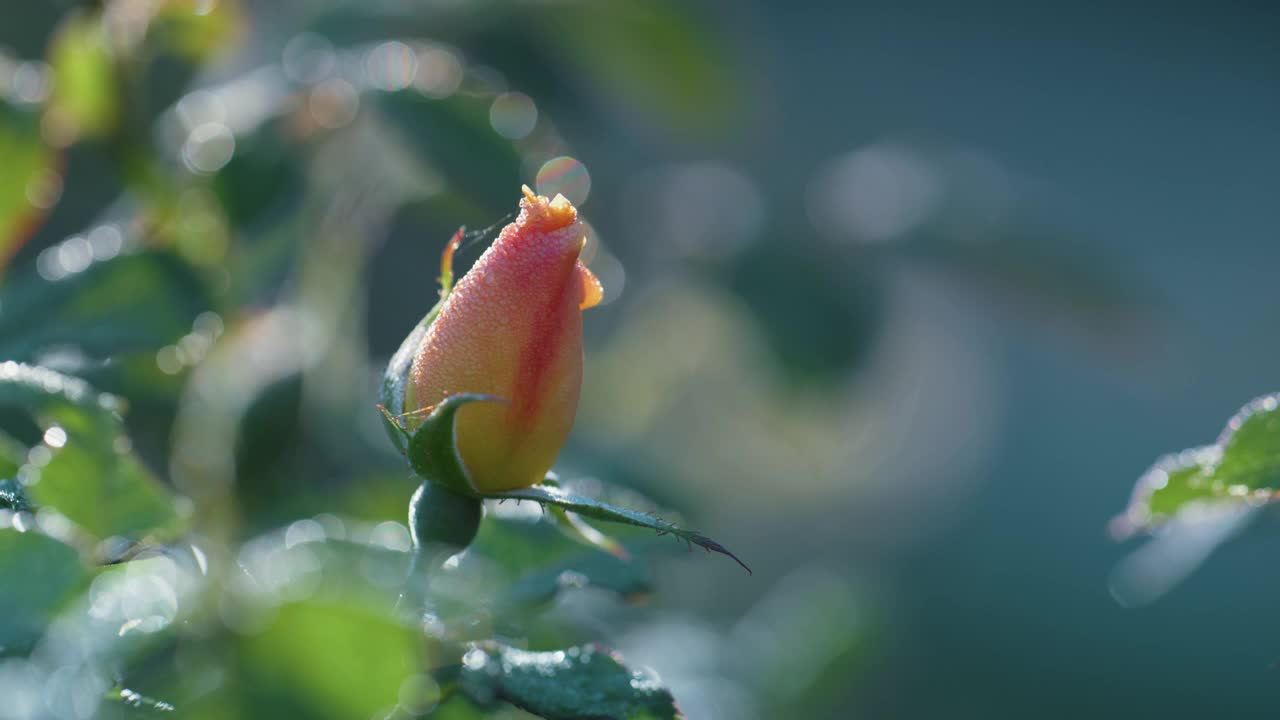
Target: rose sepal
x=395 y=381
x=433 y=455
x=433 y=447
x=551 y=496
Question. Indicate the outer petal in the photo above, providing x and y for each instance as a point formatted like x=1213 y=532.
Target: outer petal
x=512 y=327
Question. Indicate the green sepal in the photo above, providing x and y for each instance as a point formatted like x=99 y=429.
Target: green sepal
x=579 y=530
x=394 y=395
x=433 y=450
x=584 y=532
x=549 y=494
x=396 y=380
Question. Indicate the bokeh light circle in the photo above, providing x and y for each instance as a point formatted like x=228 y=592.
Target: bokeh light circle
x=208 y=147
x=513 y=115
x=565 y=176
x=391 y=66
x=439 y=73
x=333 y=103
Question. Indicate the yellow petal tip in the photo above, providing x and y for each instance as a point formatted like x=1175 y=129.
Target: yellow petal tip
x=591 y=291
x=548 y=214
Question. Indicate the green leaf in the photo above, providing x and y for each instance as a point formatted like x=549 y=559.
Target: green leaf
x=13 y=496
x=1250 y=449
x=91 y=477
x=130 y=303
x=12 y=455
x=323 y=641
x=134 y=699
x=194 y=31
x=85 y=102
x=103 y=490
x=40 y=575
x=328 y=660
x=433 y=452
x=1177 y=480
x=26 y=158
x=579 y=683
x=1242 y=466
x=546 y=494
x=37 y=388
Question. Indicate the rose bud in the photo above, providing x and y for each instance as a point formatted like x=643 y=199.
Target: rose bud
x=512 y=328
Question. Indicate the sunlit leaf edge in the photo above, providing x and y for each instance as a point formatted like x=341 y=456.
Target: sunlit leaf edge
x=1180 y=480
x=572 y=684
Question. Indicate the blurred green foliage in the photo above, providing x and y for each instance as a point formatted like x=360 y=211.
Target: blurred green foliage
x=182 y=387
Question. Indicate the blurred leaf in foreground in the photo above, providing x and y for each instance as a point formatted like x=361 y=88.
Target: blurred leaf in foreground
x=196 y=29
x=29 y=184
x=84 y=467
x=84 y=101
x=148 y=706
x=329 y=660
x=125 y=303
x=40 y=575
x=97 y=482
x=579 y=683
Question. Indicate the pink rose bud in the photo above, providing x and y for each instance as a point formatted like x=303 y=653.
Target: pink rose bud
x=512 y=328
